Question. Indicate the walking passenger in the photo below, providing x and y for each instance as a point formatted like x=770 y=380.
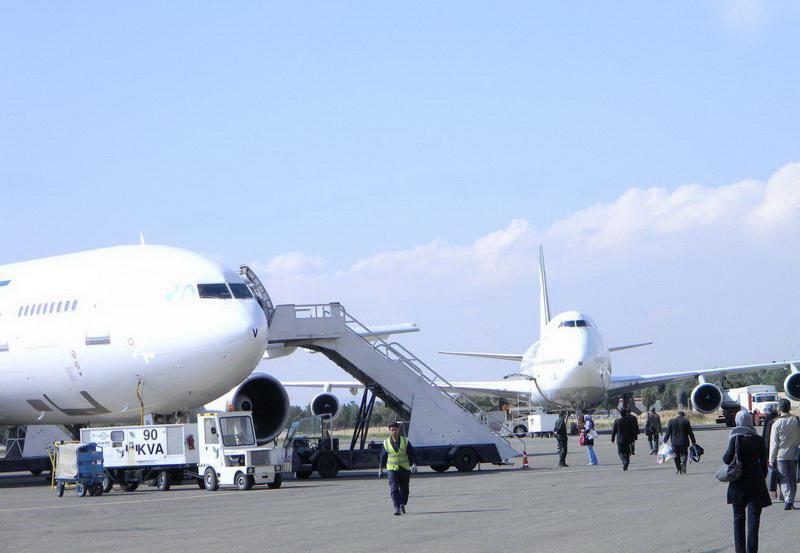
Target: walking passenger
x=748 y=494
x=652 y=429
x=560 y=430
x=679 y=431
x=633 y=421
x=624 y=433
x=588 y=430
x=770 y=416
x=398 y=457
x=784 y=440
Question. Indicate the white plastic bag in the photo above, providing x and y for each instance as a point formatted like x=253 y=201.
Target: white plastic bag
x=665 y=454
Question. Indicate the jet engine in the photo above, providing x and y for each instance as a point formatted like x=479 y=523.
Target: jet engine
x=792 y=386
x=325 y=405
x=706 y=398
x=265 y=397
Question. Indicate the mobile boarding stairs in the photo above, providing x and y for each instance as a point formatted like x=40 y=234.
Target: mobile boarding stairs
x=442 y=426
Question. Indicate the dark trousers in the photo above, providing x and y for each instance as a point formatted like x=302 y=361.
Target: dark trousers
x=653 y=439
x=624 y=452
x=753 y=517
x=398 y=486
x=562 y=451
x=681 y=455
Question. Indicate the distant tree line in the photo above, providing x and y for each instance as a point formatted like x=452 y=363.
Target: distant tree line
x=381 y=414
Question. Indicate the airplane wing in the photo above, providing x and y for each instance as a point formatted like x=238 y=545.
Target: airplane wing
x=384 y=331
x=618 y=348
x=504 y=356
x=353 y=384
x=511 y=388
x=624 y=384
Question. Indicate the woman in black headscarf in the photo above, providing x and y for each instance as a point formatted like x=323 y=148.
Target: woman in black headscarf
x=748 y=495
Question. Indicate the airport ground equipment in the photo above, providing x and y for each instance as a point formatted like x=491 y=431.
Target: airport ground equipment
x=446 y=430
x=219 y=450
x=78 y=465
x=754 y=398
x=27 y=447
x=541 y=425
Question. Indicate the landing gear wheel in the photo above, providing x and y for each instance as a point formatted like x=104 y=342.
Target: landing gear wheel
x=327 y=465
x=210 y=479
x=440 y=468
x=163 y=480
x=60 y=489
x=242 y=481
x=80 y=490
x=465 y=459
x=128 y=486
x=303 y=474
x=277 y=483
x=107 y=483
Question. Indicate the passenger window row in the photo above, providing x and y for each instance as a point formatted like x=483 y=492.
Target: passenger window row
x=225 y=291
x=47 y=308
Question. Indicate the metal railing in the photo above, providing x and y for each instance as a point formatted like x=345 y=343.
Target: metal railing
x=395 y=351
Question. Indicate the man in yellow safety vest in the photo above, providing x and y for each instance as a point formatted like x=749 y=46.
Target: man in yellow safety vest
x=398 y=457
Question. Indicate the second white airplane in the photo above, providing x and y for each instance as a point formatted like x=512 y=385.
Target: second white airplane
x=570 y=367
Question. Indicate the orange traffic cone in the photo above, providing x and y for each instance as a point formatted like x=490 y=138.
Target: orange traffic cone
x=525 y=460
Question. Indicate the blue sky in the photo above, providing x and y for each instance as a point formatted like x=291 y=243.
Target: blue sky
x=408 y=158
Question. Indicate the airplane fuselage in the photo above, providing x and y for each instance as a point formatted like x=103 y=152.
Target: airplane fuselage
x=80 y=332
x=570 y=364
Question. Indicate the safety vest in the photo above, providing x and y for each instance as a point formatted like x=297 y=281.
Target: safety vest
x=396 y=459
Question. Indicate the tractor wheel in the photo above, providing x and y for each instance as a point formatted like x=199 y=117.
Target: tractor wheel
x=210 y=479
x=276 y=483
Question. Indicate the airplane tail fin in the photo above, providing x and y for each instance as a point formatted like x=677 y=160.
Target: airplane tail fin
x=544 y=300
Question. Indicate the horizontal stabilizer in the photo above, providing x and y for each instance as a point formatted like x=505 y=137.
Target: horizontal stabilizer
x=618 y=348
x=502 y=356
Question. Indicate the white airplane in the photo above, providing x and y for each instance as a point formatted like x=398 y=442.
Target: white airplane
x=108 y=334
x=569 y=367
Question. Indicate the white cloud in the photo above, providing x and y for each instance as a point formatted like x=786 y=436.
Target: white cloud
x=639 y=220
x=745 y=15
x=781 y=200
x=291 y=263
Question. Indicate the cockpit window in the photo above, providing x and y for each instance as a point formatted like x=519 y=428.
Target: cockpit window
x=240 y=290
x=217 y=291
x=573 y=324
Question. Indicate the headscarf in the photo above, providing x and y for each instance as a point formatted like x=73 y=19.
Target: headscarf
x=588 y=422
x=744 y=425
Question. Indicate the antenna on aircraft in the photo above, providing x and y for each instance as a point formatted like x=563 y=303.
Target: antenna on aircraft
x=141 y=238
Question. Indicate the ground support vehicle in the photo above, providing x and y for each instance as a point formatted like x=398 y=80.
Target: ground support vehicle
x=219 y=450
x=754 y=398
x=320 y=452
x=79 y=466
x=541 y=425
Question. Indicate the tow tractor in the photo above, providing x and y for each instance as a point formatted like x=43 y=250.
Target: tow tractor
x=219 y=450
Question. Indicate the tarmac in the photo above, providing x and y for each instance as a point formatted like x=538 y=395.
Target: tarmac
x=544 y=509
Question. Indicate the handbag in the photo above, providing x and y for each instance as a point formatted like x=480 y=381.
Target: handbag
x=593 y=435
x=772 y=480
x=732 y=471
x=583 y=438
